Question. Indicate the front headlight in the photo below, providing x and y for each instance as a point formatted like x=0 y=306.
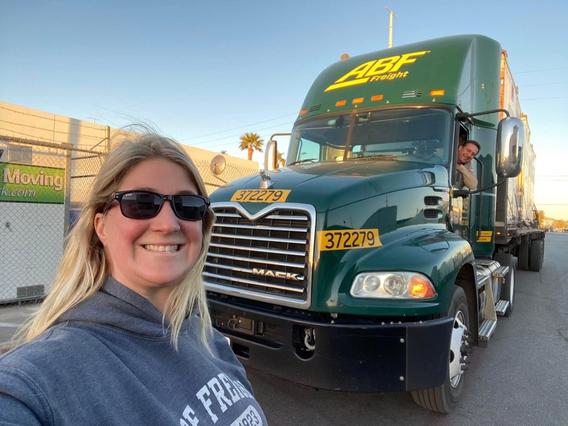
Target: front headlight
x=392 y=285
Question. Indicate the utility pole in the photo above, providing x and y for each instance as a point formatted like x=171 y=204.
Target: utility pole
x=391 y=16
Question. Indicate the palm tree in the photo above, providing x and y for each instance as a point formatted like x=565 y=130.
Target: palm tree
x=251 y=142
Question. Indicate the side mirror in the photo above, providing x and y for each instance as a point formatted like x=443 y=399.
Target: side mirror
x=270 y=156
x=510 y=141
x=218 y=165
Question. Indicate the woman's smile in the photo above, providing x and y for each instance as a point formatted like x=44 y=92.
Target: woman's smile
x=153 y=255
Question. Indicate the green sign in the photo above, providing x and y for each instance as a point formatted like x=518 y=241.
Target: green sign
x=31 y=184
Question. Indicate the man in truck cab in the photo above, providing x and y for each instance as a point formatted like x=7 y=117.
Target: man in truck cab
x=467 y=150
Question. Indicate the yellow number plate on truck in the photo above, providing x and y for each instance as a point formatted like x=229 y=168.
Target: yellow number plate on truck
x=349 y=239
x=261 y=195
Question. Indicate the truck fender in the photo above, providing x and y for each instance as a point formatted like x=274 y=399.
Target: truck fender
x=439 y=254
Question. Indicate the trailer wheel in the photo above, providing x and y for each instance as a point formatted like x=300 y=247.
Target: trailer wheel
x=536 y=255
x=508 y=287
x=523 y=253
x=445 y=397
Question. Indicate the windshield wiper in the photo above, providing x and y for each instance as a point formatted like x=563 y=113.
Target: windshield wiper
x=376 y=156
x=305 y=160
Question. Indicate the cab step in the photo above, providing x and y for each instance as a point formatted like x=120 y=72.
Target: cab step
x=486 y=331
x=501 y=272
x=501 y=307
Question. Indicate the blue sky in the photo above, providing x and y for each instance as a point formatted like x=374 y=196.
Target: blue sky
x=206 y=72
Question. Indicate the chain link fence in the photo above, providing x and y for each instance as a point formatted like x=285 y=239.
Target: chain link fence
x=45 y=181
x=42 y=188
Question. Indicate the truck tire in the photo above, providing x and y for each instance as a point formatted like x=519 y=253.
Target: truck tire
x=523 y=253
x=536 y=255
x=444 y=398
x=508 y=287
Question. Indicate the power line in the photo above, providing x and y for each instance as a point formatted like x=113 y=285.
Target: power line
x=51 y=119
x=234 y=137
x=190 y=139
x=25 y=134
x=52 y=130
x=40 y=139
x=241 y=127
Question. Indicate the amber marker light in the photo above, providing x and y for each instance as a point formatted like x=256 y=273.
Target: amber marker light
x=420 y=288
x=377 y=98
x=437 y=92
x=303 y=111
x=341 y=103
x=356 y=101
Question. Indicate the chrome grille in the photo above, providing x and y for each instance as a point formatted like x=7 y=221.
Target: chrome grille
x=266 y=256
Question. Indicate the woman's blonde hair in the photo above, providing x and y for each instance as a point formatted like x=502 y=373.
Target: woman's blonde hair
x=84 y=267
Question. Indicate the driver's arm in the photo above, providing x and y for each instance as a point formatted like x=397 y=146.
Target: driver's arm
x=469 y=179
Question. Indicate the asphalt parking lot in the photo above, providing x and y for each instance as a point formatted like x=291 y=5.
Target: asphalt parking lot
x=11 y=317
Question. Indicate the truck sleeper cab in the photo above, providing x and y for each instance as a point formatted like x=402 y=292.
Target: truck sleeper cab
x=360 y=266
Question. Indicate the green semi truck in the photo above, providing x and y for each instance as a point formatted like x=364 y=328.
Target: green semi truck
x=363 y=265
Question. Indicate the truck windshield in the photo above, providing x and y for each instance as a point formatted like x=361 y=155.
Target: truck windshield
x=418 y=135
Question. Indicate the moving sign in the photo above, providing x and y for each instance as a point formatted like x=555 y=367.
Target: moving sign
x=31 y=184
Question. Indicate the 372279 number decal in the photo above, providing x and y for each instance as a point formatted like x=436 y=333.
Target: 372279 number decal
x=348 y=239
x=261 y=195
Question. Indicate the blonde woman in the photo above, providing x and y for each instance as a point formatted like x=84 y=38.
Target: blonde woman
x=124 y=336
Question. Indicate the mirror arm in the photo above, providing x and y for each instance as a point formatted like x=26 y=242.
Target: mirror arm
x=466 y=192
x=466 y=116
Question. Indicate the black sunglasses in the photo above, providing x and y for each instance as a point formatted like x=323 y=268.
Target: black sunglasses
x=146 y=204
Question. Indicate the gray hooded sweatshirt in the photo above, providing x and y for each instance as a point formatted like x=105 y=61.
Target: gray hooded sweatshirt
x=109 y=361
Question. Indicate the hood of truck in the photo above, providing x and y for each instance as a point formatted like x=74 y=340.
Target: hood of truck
x=331 y=185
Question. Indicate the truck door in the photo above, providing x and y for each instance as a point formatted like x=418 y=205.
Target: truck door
x=461 y=206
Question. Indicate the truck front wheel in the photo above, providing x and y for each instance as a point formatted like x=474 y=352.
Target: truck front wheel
x=444 y=398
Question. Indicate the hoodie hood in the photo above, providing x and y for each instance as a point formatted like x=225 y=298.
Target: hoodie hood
x=117 y=306
x=330 y=185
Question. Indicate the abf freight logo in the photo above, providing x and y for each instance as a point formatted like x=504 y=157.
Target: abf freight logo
x=390 y=68
x=31 y=184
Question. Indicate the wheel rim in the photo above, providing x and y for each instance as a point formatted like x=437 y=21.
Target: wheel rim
x=459 y=333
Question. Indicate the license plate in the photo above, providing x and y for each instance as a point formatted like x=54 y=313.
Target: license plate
x=242 y=324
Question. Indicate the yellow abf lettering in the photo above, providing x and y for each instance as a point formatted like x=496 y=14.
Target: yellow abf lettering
x=363 y=73
x=357 y=75
x=383 y=65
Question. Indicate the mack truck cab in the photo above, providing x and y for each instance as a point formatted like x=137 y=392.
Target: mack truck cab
x=360 y=265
